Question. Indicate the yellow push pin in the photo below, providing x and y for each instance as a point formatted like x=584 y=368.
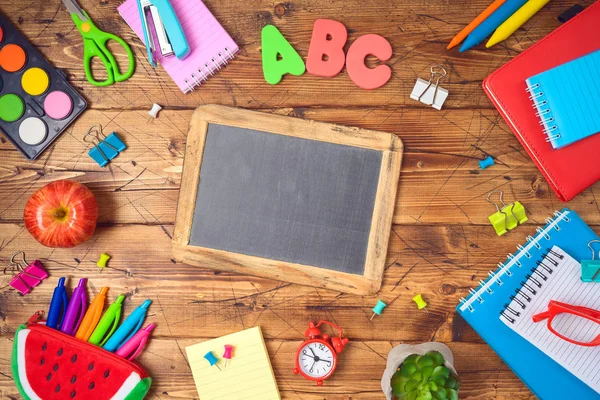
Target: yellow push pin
x=421 y=304
x=102 y=261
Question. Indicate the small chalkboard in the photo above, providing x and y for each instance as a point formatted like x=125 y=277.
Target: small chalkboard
x=287 y=199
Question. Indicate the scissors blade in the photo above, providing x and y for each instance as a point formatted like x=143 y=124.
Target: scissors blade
x=74 y=8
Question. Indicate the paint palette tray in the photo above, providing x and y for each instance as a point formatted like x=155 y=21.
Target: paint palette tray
x=36 y=102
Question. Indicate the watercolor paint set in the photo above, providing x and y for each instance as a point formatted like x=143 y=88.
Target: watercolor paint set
x=36 y=102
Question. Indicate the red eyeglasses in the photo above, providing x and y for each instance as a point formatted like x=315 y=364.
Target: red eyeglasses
x=564 y=318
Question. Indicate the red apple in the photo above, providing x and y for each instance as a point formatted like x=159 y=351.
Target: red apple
x=61 y=214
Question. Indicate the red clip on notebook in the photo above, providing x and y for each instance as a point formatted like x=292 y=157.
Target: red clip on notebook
x=571 y=169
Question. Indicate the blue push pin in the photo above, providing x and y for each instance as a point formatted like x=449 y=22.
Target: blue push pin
x=212 y=360
x=378 y=308
x=488 y=162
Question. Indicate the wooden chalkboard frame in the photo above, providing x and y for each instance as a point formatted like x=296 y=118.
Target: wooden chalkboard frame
x=391 y=148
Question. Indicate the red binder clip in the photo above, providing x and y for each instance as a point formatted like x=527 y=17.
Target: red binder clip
x=26 y=276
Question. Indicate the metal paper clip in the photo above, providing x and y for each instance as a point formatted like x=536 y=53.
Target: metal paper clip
x=105 y=148
x=590 y=268
x=422 y=93
x=25 y=276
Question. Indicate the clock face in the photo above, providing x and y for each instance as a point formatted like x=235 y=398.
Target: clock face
x=316 y=360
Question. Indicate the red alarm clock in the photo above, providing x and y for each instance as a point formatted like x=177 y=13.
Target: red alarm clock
x=316 y=358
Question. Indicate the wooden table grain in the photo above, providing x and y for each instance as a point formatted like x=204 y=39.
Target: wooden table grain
x=441 y=243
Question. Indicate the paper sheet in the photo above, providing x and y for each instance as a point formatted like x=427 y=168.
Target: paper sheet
x=248 y=375
x=564 y=285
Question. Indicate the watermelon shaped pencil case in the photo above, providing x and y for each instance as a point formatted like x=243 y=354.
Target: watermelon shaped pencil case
x=48 y=364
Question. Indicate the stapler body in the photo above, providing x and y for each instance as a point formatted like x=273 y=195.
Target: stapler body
x=167 y=30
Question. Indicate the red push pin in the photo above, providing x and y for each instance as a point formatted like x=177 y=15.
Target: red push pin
x=227 y=354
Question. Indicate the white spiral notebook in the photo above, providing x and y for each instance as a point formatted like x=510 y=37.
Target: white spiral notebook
x=211 y=47
x=558 y=277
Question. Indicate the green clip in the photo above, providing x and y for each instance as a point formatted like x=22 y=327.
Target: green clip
x=511 y=220
x=590 y=269
x=508 y=217
x=519 y=212
x=498 y=221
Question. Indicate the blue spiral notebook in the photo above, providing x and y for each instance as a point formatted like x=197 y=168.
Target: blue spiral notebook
x=566 y=99
x=546 y=378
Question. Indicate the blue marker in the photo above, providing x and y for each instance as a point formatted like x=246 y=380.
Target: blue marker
x=128 y=328
x=58 y=305
x=489 y=25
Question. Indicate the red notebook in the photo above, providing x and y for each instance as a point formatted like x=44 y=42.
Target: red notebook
x=574 y=168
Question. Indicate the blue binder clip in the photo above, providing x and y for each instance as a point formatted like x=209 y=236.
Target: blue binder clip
x=105 y=148
x=590 y=269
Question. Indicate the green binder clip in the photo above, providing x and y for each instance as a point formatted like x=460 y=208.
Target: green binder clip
x=519 y=212
x=590 y=269
x=508 y=217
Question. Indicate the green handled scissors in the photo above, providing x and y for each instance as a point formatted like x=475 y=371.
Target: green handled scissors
x=94 y=45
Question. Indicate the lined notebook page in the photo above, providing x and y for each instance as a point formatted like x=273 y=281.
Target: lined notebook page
x=571 y=92
x=206 y=38
x=564 y=285
x=248 y=375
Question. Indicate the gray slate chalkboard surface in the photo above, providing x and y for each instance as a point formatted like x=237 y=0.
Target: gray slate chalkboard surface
x=286 y=198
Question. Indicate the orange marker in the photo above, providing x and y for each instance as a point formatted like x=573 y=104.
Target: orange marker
x=92 y=316
x=478 y=20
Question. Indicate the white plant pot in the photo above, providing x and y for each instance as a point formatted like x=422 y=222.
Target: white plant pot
x=397 y=355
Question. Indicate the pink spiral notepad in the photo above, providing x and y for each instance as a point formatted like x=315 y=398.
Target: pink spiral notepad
x=211 y=47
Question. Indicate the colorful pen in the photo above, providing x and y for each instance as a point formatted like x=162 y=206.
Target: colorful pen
x=92 y=316
x=58 y=305
x=491 y=23
x=510 y=26
x=75 y=310
x=475 y=23
x=108 y=323
x=128 y=328
x=135 y=345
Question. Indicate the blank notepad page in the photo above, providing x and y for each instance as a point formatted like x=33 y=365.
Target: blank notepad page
x=248 y=375
x=567 y=99
x=558 y=278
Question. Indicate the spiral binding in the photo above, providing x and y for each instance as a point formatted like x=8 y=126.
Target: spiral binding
x=534 y=281
x=207 y=70
x=544 y=113
x=532 y=285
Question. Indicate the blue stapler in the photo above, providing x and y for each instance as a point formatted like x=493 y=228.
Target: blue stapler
x=167 y=30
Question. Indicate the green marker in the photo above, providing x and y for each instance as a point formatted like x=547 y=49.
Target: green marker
x=108 y=323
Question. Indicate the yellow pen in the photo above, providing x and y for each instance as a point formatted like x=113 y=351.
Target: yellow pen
x=92 y=316
x=521 y=16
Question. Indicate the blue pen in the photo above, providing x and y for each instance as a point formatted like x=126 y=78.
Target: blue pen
x=487 y=27
x=128 y=328
x=58 y=305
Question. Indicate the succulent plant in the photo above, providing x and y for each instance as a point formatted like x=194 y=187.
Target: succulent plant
x=424 y=377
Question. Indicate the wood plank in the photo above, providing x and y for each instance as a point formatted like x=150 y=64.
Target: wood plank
x=440 y=262
x=483 y=374
x=440 y=182
x=418 y=32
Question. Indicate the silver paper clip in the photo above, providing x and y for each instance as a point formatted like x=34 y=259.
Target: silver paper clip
x=432 y=96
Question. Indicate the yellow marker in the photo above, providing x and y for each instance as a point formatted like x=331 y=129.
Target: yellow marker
x=92 y=316
x=509 y=26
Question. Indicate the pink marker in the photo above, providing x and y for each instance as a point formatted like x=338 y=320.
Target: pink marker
x=227 y=354
x=135 y=345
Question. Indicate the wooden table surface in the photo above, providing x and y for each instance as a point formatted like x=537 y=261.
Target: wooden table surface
x=441 y=243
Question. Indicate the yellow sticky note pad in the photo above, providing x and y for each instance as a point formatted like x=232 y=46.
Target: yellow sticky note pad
x=248 y=376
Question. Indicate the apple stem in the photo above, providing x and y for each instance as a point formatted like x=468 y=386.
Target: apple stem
x=60 y=214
